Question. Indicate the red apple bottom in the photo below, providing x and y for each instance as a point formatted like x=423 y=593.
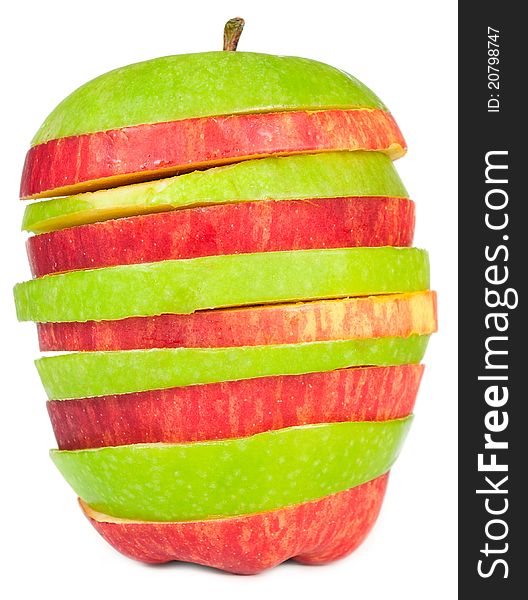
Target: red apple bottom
x=312 y=533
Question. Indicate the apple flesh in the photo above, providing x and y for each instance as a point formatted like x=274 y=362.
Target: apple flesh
x=87 y=374
x=351 y=318
x=110 y=158
x=245 y=227
x=235 y=409
x=186 y=86
x=202 y=480
x=312 y=533
x=184 y=286
x=323 y=175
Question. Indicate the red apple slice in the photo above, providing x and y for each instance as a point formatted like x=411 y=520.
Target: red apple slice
x=398 y=315
x=226 y=229
x=121 y=156
x=235 y=408
x=312 y=533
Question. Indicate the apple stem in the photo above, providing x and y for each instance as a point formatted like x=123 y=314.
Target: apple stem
x=232 y=32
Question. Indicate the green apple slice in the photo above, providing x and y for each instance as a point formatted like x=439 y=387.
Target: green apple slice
x=87 y=374
x=324 y=175
x=184 y=286
x=201 y=85
x=180 y=482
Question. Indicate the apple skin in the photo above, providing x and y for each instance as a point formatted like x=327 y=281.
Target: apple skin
x=107 y=159
x=371 y=317
x=86 y=374
x=235 y=408
x=184 y=86
x=312 y=533
x=245 y=227
x=188 y=285
x=233 y=477
x=295 y=177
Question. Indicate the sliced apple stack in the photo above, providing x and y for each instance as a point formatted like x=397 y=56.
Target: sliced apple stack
x=226 y=258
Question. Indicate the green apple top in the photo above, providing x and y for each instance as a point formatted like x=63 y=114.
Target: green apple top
x=200 y=85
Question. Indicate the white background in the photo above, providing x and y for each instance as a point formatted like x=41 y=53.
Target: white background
x=406 y=52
